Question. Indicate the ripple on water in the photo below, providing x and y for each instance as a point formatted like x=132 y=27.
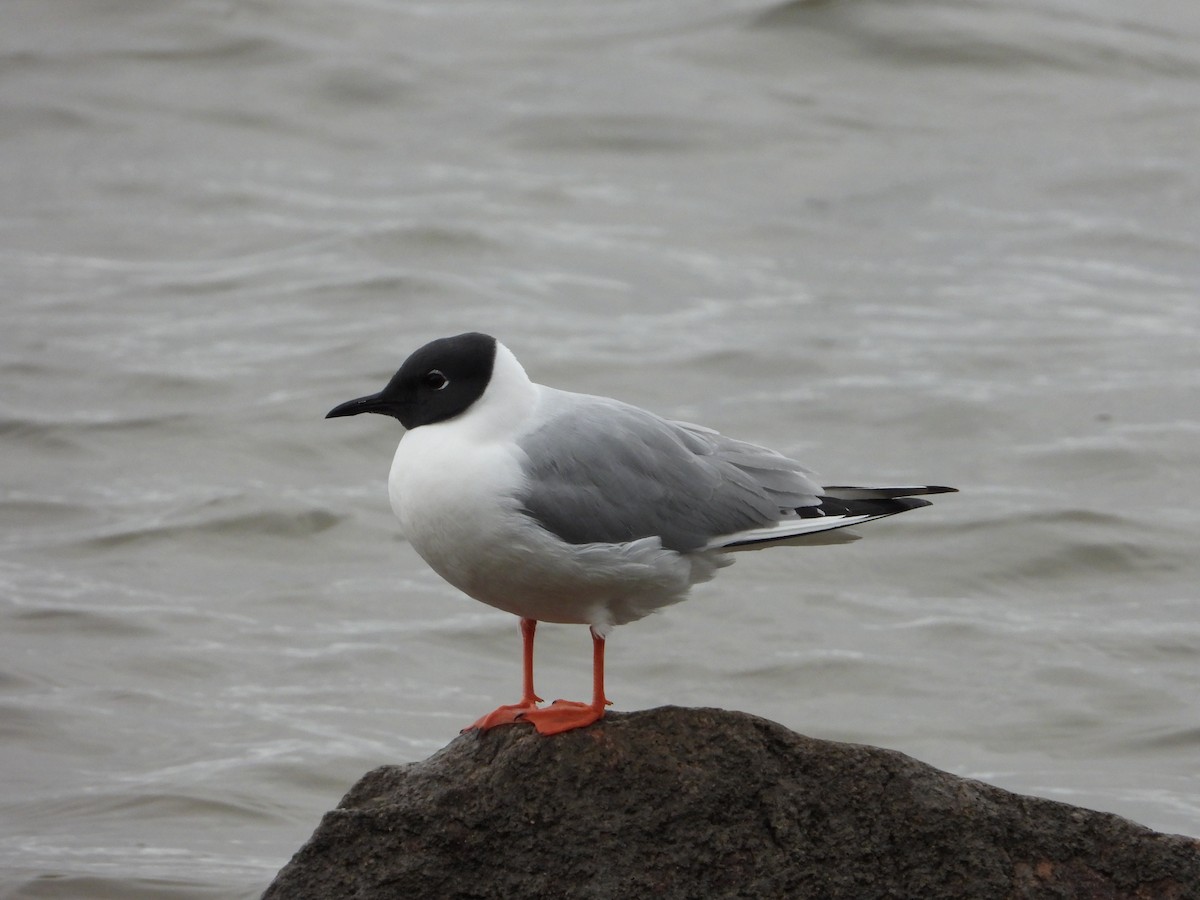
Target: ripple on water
x=1065 y=546
x=75 y=620
x=53 y=886
x=262 y=523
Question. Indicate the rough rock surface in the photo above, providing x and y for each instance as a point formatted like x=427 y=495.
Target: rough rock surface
x=701 y=803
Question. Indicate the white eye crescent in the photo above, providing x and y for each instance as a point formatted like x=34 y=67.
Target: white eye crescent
x=434 y=380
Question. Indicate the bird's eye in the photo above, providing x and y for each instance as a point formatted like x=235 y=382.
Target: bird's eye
x=435 y=380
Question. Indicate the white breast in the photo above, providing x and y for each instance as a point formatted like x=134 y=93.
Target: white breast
x=455 y=501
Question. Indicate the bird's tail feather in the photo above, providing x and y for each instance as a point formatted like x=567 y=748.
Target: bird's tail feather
x=840 y=507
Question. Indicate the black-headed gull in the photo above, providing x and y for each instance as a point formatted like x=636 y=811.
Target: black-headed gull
x=564 y=507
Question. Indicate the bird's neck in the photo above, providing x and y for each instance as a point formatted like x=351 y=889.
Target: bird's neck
x=506 y=404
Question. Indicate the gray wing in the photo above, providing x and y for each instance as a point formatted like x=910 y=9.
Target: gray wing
x=601 y=471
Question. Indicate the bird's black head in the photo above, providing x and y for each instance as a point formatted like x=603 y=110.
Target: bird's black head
x=438 y=382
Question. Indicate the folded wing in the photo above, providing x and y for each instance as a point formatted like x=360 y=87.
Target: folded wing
x=601 y=471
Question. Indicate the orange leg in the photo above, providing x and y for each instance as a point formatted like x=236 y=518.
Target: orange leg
x=506 y=715
x=565 y=715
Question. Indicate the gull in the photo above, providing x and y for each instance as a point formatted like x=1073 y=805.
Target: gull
x=571 y=508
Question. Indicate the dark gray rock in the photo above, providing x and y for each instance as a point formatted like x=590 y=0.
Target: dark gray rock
x=702 y=803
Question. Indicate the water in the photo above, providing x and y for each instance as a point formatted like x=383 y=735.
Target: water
x=942 y=241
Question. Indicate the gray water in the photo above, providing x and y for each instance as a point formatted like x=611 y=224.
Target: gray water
x=902 y=240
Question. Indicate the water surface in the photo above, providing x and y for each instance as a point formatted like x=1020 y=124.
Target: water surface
x=953 y=242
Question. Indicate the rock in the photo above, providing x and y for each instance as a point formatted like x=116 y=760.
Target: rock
x=701 y=803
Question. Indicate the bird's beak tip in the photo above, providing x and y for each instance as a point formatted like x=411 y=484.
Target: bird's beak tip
x=354 y=407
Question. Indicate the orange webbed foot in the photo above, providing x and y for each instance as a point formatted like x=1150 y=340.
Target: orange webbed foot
x=563 y=715
x=505 y=715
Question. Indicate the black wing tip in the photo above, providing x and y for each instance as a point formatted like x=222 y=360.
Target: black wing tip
x=875 y=507
x=883 y=506
x=860 y=492
x=938 y=489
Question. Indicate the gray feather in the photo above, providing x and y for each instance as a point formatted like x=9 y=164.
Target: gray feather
x=601 y=471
